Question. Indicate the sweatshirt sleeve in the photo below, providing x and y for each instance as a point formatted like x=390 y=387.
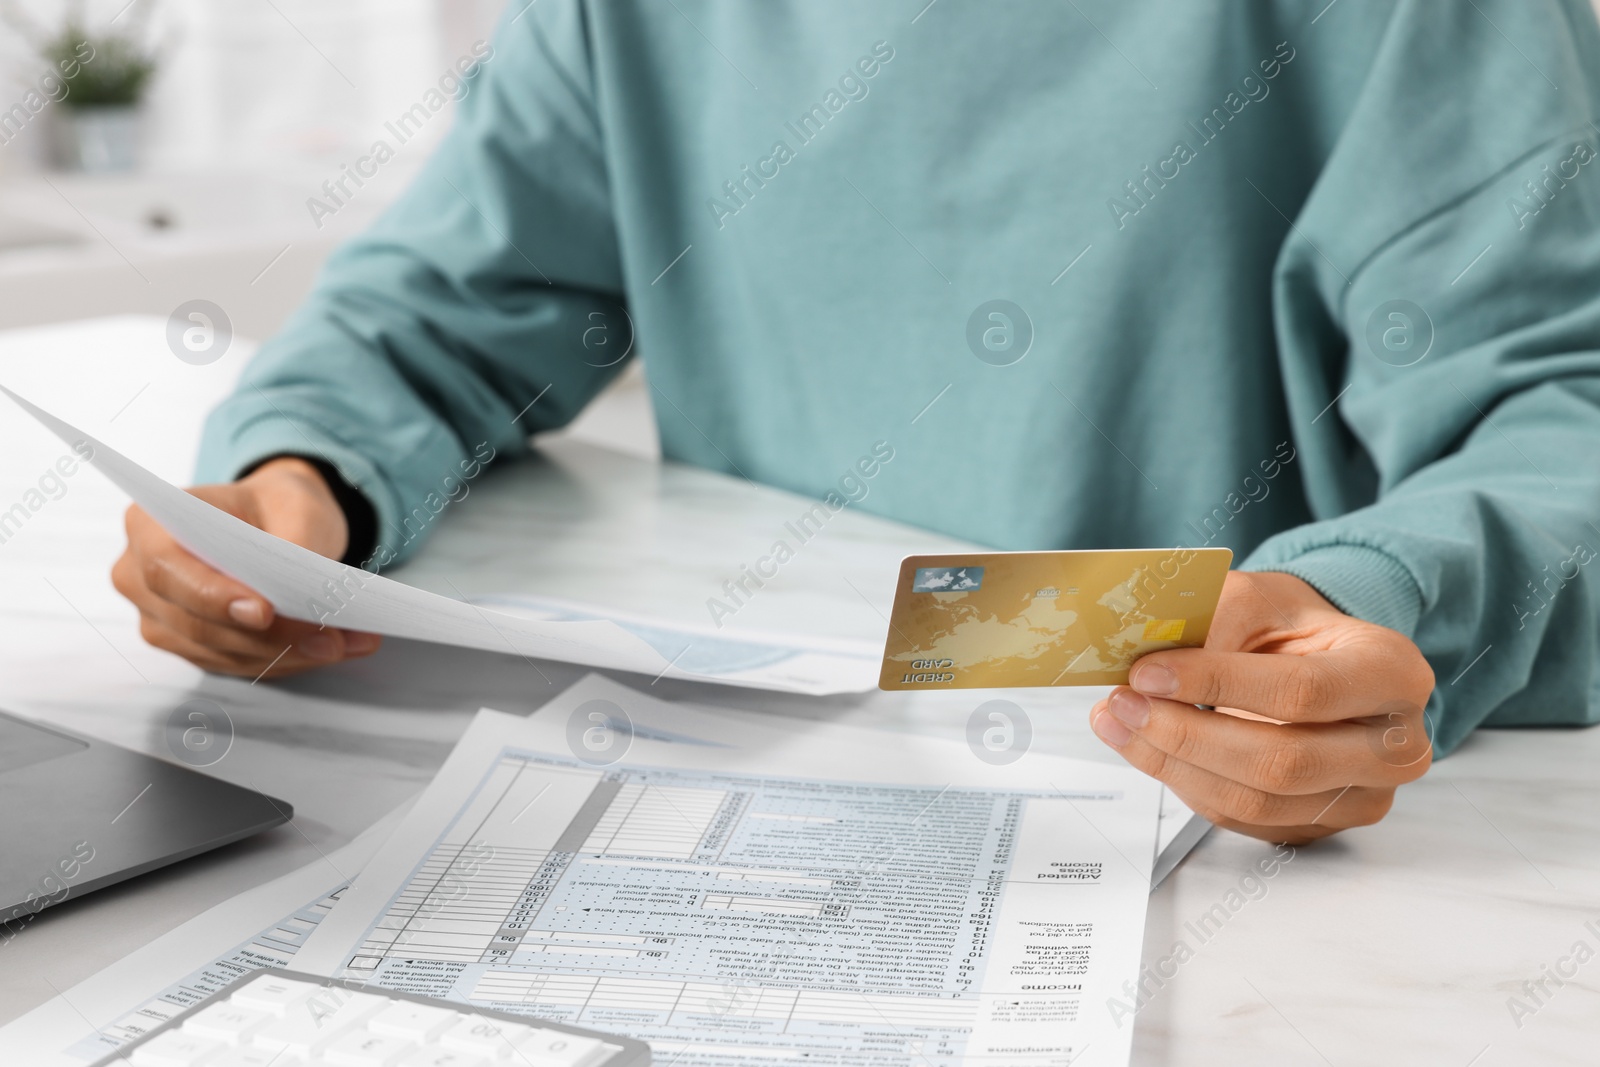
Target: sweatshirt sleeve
x=1437 y=303
x=485 y=305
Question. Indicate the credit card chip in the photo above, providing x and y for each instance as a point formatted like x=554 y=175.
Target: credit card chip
x=1164 y=630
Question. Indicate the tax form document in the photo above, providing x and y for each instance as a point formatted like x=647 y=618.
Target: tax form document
x=837 y=895
x=1179 y=831
x=301 y=584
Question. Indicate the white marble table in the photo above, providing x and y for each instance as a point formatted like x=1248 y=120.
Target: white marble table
x=1399 y=944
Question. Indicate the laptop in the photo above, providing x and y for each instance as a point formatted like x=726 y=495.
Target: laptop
x=80 y=814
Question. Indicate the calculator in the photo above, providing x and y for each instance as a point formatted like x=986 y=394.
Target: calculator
x=276 y=1018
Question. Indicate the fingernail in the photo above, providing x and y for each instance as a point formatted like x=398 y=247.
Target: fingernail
x=1156 y=679
x=247 y=612
x=1131 y=708
x=1109 y=730
x=319 y=646
x=360 y=644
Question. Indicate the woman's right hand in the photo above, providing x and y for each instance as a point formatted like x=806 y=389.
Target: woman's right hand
x=219 y=624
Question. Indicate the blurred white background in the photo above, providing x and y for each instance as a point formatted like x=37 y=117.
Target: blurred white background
x=253 y=105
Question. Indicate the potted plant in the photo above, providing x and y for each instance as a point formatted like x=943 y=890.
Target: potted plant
x=105 y=73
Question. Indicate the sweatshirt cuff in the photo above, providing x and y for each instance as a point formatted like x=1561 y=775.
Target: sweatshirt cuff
x=360 y=520
x=252 y=444
x=1364 y=583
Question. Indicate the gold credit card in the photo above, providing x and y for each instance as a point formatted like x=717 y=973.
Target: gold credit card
x=992 y=620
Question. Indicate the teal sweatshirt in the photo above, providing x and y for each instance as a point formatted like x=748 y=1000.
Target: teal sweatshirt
x=1317 y=282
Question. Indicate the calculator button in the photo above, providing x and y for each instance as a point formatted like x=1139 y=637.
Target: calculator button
x=438 y=1057
x=271 y=994
x=225 y=1022
x=310 y=1026
x=557 y=1048
x=253 y=1057
x=485 y=1037
x=420 y=1022
x=360 y=1048
x=173 y=1048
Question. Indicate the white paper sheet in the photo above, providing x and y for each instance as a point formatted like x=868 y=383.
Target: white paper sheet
x=301 y=584
x=700 y=651
x=838 y=895
x=263 y=927
x=1180 y=831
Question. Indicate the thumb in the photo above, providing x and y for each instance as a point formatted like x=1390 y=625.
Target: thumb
x=288 y=517
x=295 y=504
x=1259 y=607
x=235 y=499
